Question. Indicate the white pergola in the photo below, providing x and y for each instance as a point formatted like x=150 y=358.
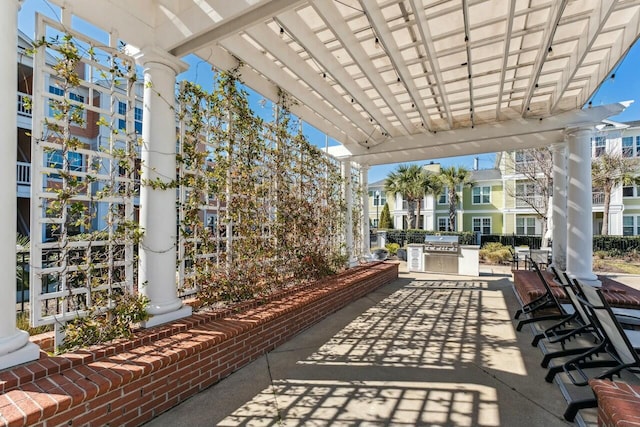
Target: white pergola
x=391 y=80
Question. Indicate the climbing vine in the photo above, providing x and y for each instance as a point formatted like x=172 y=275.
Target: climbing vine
x=87 y=229
x=276 y=198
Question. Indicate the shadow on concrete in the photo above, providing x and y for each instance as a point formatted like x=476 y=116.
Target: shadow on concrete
x=421 y=351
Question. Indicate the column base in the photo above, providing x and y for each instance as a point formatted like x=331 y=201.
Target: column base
x=159 y=319
x=27 y=353
x=589 y=279
x=353 y=262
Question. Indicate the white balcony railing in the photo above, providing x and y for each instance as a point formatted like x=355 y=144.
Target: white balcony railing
x=536 y=201
x=24 y=102
x=529 y=201
x=23 y=172
x=597 y=198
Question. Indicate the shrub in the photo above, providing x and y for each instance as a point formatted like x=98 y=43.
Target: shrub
x=495 y=252
x=600 y=254
x=392 y=248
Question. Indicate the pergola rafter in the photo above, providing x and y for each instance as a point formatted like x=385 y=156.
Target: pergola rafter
x=243 y=50
x=333 y=20
x=386 y=39
x=595 y=23
x=555 y=13
x=306 y=38
x=319 y=82
x=425 y=34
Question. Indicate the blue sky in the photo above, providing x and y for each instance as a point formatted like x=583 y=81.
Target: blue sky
x=622 y=85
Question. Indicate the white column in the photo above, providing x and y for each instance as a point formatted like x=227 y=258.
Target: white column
x=579 y=207
x=559 y=206
x=15 y=347
x=366 y=231
x=158 y=212
x=348 y=200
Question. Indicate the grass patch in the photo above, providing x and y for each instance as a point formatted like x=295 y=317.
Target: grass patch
x=616 y=265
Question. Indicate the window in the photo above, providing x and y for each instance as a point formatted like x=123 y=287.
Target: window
x=378 y=199
x=627 y=146
x=137 y=118
x=628 y=191
x=374 y=222
x=53 y=109
x=482 y=225
x=523 y=160
x=599 y=146
x=627 y=225
x=481 y=195
x=54 y=160
x=443 y=223
x=444 y=197
x=525 y=226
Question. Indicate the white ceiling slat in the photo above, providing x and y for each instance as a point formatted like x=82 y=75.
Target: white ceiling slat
x=425 y=34
x=505 y=57
x=222 y=60
x=555 y=13
x=467 y=35
x=597 y=20
x=616 y=53
x=279 y=49
x=293 y=26
x=259 y=12
x=393 y=52
x=245 y=51
x=338 y=26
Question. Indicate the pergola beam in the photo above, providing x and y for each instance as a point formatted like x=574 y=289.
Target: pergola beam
x=486 y=138
x=258 y=13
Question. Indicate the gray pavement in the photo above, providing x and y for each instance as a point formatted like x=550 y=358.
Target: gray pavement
x=426 y=349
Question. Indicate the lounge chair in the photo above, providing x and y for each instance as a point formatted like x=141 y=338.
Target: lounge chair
x=619 y=344
x=549 y=302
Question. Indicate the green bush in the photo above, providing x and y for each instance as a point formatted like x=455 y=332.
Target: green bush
x=392 y=248
x=495 y=252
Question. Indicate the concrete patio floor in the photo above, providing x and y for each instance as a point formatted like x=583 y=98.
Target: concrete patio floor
x=428 y=349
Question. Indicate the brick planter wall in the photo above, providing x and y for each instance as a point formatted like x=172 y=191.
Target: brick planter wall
x=618 y=403
x=130 y=382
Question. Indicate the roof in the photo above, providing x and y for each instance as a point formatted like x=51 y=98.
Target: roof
x=486 y=175
x=402 y=80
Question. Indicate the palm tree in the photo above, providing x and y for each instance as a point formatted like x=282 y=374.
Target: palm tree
x=409 y=181
x=451 y=177
x=608 y=171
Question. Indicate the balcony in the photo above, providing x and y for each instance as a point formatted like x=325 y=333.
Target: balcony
x=23 y=173
x=529 y=202
x=24 y=104
x=597 y=199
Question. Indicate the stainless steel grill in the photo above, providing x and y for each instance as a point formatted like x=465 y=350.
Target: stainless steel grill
x=441 y=254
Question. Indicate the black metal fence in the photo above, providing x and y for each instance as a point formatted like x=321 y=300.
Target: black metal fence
x=22 y=280
x=533 y=242
x=404 y=237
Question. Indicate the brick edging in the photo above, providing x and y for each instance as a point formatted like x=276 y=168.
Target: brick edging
x=130 y=382
x=618 y=403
